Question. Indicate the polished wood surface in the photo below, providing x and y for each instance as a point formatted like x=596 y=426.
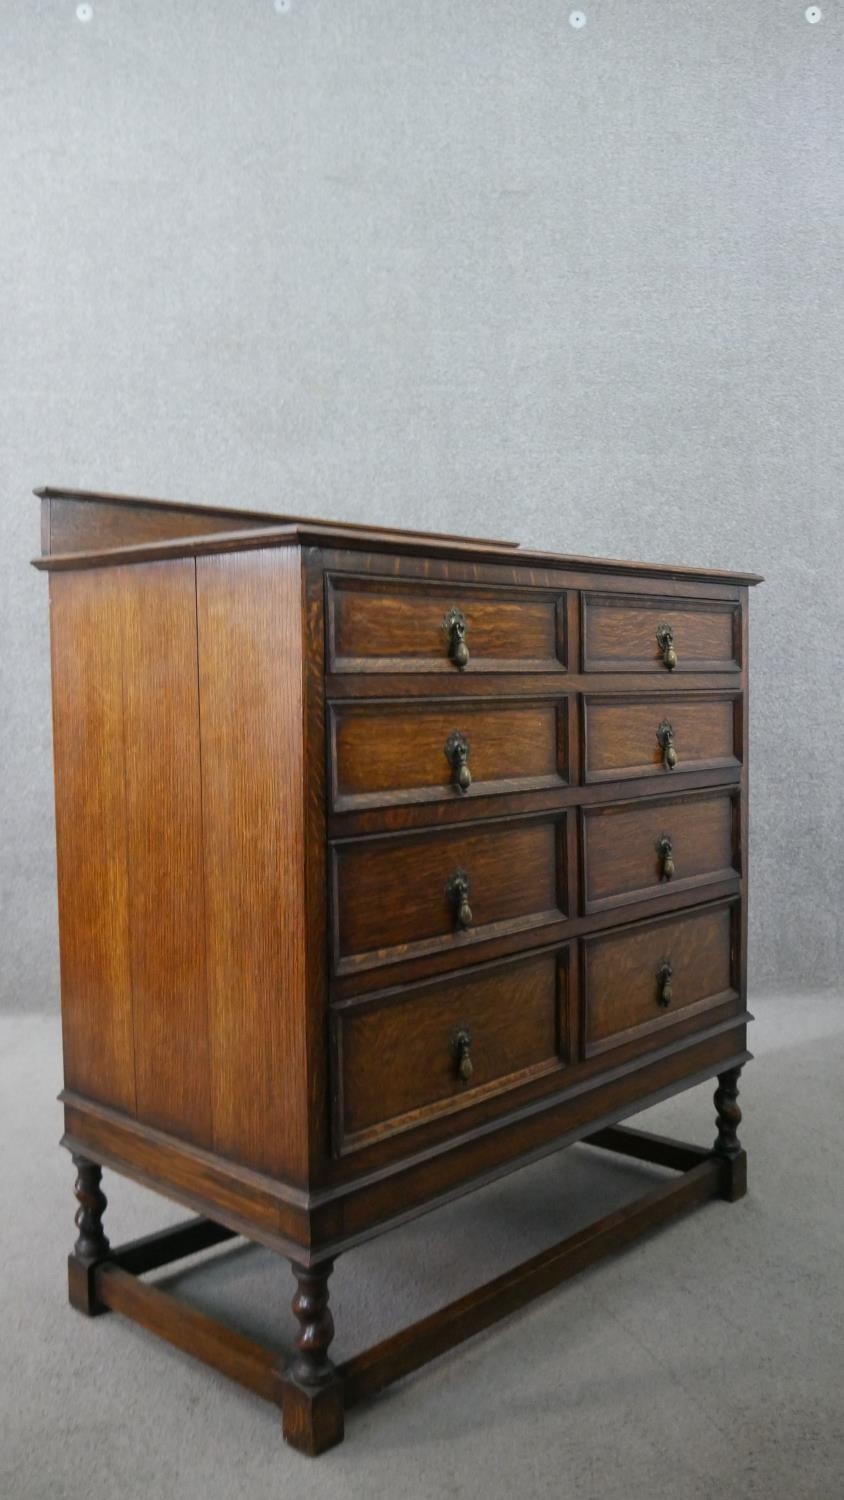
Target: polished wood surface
x=623 y=844
x=622 y=733
x=89 y=753
x=250 y=683
x=84 y=519
x=385 y=626
x=76 y=525
x=384 y=753
x=164 y=850
x=357 y=911
x=620 y=634
x=393 y=900
x=622 y=992
x=398 y=1058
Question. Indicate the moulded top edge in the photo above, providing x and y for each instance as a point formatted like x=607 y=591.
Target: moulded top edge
x=285 y=531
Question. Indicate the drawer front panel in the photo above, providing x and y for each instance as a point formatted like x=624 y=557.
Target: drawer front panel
x=387 y=753
x=632 y=850
x=625 y=633
x=624 y=978
x=627 y=736
x=401 y=896
x=381 y=625
x=398 y=1057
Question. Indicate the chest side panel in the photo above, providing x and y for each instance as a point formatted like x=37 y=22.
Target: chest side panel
x=164 y=847
x=128 y=816
x=86 y=628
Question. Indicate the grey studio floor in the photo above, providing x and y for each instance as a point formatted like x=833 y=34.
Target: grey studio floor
x=706 y=1360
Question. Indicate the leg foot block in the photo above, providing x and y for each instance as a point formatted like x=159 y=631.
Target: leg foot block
x=734 y=1176
x=312 y=1418
x=81 y=1286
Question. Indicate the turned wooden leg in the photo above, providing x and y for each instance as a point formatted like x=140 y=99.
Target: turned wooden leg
x=727 y=1145
x=92 y=1246
x=312 y=1398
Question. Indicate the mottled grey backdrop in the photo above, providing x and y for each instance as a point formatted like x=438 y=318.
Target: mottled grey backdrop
x=445 y=264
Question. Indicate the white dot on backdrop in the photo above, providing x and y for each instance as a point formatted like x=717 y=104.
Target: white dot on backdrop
x=84 y=12
x=813 y=14
x=577 y=19
x=282 y=6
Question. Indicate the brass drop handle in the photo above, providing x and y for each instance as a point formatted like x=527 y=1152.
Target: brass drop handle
x=457 y=753
x=665 y=850
x=455 y=626
x=665 y=736
x=665 y=641
x=664 y=975
x=457 y=895
x=461 y=1044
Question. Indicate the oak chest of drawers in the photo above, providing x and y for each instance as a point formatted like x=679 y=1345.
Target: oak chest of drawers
x=387 y=862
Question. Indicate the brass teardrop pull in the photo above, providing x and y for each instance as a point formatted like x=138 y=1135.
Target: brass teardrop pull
x=457 y=895
x=665 y=641
x=665 y=850
x=461 y=1044
x=665 y=736
x=457 y=752
x=664 y=976
x=455 y=626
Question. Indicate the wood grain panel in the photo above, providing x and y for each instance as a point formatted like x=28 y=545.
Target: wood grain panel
x=392 y=753
x=80 y=525
x=621 y=733
x=391 y=899
x=619 y=634
x=395 y=1061
x=382 y=625
x=86 y=620
x=251 y=714
x=621 y=987
x=164 y=841
x=621 y=860
x=83 y=507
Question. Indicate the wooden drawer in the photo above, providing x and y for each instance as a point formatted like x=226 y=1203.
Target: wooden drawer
x=382 y=754
x=387 y=625
x=635 y=633
x=400 y=896
x=624 y=978
x=397 y=1055
x=625 y=735
x=632 y=850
